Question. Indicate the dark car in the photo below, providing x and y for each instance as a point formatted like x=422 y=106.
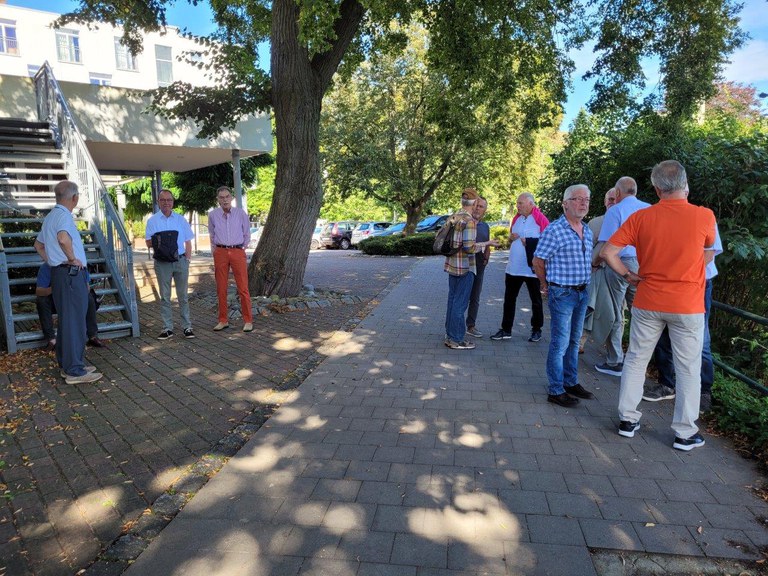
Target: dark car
x=432 y=223
x=337 y=234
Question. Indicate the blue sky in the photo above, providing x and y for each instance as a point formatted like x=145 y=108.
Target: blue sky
x=749 y=65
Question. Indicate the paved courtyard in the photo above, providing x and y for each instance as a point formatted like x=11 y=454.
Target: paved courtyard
x=81 y=463
x=397 y=456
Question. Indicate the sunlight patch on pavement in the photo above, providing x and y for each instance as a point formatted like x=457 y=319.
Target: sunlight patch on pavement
x=288 y=344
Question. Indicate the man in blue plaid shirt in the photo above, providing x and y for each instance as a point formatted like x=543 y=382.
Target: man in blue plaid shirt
x=563 y=265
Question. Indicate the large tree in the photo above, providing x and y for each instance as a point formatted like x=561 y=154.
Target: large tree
x=489 y=50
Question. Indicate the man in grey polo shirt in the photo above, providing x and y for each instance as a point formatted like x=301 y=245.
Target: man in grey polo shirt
x=59 y=244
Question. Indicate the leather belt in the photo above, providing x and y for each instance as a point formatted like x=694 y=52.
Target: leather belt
x=579 y=288
x=240 y=247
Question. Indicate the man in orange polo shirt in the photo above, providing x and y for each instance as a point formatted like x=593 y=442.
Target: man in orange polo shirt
x=671 y=238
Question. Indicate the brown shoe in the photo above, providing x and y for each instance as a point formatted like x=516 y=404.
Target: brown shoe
x=579 y=391
x=96 y=343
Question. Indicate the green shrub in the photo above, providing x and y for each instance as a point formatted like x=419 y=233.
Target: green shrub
x=741 y=411
x=138 y=227
x=501 y=234
x=414 y=245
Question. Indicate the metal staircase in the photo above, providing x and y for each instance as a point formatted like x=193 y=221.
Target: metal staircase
x=34 y=156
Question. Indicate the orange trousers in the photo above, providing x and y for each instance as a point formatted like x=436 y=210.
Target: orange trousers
x=223 y=260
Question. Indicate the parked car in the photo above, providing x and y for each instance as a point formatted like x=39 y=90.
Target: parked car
x=432 y=223
x=395 y=229
x=368 y=230
x=337 y=234
x=315 y=244
x=255 y=236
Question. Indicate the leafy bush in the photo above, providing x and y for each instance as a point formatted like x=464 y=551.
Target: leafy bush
x=741 y=411
x=501 y=234
x=138 y=227
x=414 y=245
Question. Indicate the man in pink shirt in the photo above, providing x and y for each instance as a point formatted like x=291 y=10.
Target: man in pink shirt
x=230 y=232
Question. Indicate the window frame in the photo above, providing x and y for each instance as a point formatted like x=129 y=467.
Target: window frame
x=122 y=50
x=158 y=60
x=6 y=40
x=72 y=46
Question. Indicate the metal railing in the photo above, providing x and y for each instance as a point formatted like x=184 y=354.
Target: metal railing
x=730 y=370
x=98 y=209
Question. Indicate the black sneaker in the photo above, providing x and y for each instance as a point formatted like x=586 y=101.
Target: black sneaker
x=688 y=443
x=612 y=369
x=535 y=336
x=502 y=335
x=579 y=391
x=627 y=428
x=188 y=333
x=661 y=392
x=563 y=400
x=165 y=334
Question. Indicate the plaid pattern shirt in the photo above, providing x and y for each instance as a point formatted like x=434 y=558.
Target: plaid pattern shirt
x=464 y=235
x=569 y=258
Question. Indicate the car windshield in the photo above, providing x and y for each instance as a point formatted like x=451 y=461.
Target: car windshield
x=428 y=221
x=396 y=227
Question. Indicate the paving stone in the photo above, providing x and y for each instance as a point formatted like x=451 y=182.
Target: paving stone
x=414 y=550
x=723 y=516
x=610 y=534
x=719 y=543
x=683 y=513
x=542 y=481
x=667 y=539
x=627 y=509
x=637 y=488
x=572 y=506
x=554 y=530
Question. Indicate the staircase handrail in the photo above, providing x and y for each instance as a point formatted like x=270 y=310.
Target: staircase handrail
x=98 y=208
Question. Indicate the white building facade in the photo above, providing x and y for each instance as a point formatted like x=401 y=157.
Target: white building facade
x=94 y=56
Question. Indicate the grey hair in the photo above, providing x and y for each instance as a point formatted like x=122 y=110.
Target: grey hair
x=669 y=176
x=527 y=195
x=65 y=190
x=571 y=189
x=220 y=188
x=626 y=185
x=467 y=202
x=165 y=190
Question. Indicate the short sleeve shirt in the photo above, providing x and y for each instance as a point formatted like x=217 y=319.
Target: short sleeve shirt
x=159 y=223
x=616 y=216
x=525 y=227
x=670 y=238
x=60 y=220
x=568 y=257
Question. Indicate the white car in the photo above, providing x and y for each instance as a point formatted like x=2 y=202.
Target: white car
x=368 y=230
x=315 y=244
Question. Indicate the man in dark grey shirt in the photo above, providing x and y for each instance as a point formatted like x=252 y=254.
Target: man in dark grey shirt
x=481 y=259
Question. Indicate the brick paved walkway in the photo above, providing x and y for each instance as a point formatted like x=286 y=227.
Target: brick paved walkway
x=397 y=456
x=83 y=462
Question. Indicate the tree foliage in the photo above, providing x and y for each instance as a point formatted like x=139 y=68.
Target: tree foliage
x=489 y=51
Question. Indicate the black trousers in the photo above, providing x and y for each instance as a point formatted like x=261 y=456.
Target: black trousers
x=511 y=290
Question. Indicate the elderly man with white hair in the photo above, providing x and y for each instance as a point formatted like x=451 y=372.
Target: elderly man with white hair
x=524 y=233
x=562 y=262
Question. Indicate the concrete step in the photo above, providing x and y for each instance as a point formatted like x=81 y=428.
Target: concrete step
x=59 y=174
x=16 y=182
x=107 y=330
x=27 y=159
x=50 y=149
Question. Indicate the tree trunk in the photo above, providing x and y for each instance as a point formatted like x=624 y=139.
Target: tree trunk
x=412 y=217
x=298 y=84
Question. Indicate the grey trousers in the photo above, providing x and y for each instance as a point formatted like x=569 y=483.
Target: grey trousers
x=70 y=295
x=686 y=331
x=620 y=291
x=178 y=272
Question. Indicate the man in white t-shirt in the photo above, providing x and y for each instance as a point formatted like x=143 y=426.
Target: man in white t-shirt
x=526 y=229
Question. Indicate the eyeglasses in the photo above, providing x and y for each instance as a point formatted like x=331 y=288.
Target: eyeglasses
x=227 y=197
x=585 y=200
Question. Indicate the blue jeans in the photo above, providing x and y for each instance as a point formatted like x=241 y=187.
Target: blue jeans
x=662 y=356
x=566 y=309
x=459 y=289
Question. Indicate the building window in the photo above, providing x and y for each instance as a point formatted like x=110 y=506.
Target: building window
x=164 y=65
x=100 y=79
x=68 y=45
x=124 y=60
x=8 y=42
x=32 y=70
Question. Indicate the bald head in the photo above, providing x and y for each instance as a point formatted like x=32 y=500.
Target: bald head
x=625 y=186
x=65 y=190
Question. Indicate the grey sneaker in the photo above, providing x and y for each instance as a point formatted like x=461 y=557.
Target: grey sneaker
x=84 y=379
x=661 y=392
x=474 y=332
x=463 y=345
x=88 y=370
x=502 y=335
x=611 y=369
x=535 y=336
